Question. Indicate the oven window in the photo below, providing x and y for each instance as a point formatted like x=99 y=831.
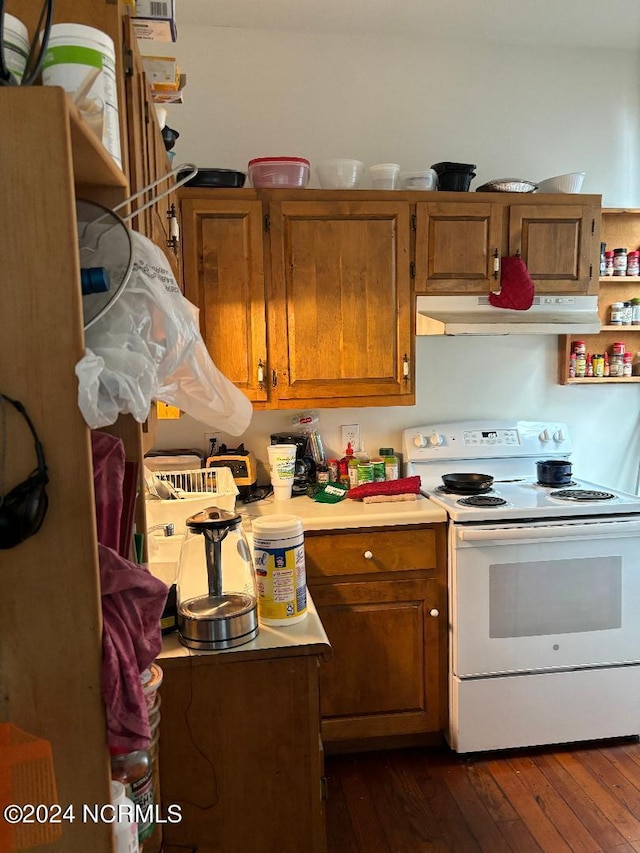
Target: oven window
x=566 y=596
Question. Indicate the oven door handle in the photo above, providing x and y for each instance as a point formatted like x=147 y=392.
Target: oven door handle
x=558 y=532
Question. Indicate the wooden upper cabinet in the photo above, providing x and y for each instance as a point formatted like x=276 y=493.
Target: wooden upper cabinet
x=224 y=276
x=340 y=313
x=456 y=243
x=556 y=242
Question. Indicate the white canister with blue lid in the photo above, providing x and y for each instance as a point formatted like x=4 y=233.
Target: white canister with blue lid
x=278 y=553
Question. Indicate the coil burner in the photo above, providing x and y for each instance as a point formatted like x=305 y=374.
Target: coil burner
x=581 y=495
x=482 y=500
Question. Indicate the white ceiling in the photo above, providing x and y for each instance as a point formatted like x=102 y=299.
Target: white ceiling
x=574 y=23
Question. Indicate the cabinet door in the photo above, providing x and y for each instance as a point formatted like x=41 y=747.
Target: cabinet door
x=384 y=675
x=456 y=246
x=224 y=277
x=340 y=313
x=557 y=244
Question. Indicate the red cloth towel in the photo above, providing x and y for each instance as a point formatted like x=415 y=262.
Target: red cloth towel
x=516 y=285
x=403 y=486
x=132 y=604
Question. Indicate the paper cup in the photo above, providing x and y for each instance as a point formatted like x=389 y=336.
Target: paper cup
x=282 y=463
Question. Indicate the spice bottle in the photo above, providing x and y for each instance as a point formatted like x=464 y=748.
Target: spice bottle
x=627 y=364
x=606 y=364
x=635 y=365
x=627 y=313
x=616 y=313
x=635 y=311
x=619 y=261
x=608 y=263
x=589 y=365
x=581 y=365
x=572 y=366
x=633 y=263
x=391 y=465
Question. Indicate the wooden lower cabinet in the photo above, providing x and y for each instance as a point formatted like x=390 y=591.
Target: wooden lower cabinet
x=381 y=595
x=240 y=753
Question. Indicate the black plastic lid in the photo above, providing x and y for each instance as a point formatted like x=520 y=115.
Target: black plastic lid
x=453 y=167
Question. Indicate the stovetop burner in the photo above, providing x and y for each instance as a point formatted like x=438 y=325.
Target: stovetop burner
x=581 y=495
x=549 y=486
x=444 y=490
x=483 y=500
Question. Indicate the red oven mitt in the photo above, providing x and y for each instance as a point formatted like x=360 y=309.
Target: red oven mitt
x=403 y=486
x=516 y=285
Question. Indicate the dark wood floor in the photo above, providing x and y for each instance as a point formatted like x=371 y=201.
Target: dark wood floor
x=583 y=797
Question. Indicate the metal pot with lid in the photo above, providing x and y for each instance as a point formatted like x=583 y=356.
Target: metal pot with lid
x=554 y=472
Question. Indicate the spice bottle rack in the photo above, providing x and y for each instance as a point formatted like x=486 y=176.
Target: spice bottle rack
x=619 y=227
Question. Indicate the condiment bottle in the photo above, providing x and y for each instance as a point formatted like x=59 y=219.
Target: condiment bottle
x=619 y=261
x=378 y=469
x=627 y=313
x=635 y=311
x=633 y=263
x=608 y=263
x=616 y=313
x=572 y=365
x=391 y=466
x=135 y=771
x=627 y=364
x=589 y=365
x=343 y=465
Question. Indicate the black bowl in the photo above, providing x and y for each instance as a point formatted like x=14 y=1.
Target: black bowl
x=215 y=178
x=169 y=137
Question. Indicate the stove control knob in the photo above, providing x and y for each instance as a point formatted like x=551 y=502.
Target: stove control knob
x=435 y=440
x=558 y=436
x=544 y=435
x=419 y=440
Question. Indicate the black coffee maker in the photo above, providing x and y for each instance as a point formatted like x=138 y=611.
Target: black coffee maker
x=305 y=470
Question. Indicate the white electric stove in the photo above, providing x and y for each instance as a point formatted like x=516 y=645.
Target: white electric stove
x=544 y=589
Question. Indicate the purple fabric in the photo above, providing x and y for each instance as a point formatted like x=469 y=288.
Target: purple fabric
x=132 y=604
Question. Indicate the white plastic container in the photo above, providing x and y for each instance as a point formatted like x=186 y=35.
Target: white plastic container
x=340 y=173
x=82 y=60
x=425 y=180
x=125 y=829
x=278 y=553
x=384 y=176
x=16 y=45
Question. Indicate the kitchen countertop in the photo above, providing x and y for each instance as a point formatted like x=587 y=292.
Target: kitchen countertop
x=346 y=514
x=307 y=637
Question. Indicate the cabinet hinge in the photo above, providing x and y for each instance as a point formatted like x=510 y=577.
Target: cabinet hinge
x=127 y=61
x=412 y=269
x=590 y=271
x=593 y=226
x=146 y=112
x=414 y=222
x=267 y=223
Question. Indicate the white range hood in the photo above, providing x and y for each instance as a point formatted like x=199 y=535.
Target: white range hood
x=475 y=315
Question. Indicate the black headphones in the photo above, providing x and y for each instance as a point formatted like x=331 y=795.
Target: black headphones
x=23 y=509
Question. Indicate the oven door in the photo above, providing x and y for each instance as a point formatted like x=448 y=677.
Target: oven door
x=544 y=596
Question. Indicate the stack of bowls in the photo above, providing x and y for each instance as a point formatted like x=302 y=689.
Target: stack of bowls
x=340 y=173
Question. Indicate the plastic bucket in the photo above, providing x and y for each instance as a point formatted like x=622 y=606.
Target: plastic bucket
x=16 y=45
x=384 y=176
x=83 y=61
x=278 y=552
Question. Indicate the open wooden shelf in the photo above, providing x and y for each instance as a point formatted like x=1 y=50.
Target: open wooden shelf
x=620 y=227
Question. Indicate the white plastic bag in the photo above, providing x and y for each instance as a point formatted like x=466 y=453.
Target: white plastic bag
x=148 y=346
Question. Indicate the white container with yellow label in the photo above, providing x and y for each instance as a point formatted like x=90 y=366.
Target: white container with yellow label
x=278 y=553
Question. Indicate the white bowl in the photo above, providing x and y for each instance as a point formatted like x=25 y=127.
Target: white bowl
x=340 y=174
x=569 y=183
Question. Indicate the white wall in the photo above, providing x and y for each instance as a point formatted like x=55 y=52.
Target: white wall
x=515 y=111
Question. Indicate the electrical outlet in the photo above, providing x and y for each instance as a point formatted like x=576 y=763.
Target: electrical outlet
x=351 y=435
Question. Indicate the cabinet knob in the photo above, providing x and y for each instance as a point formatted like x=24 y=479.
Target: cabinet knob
x=368 y=555
x=434 y=612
